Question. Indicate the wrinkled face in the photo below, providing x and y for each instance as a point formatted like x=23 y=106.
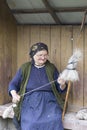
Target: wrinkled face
x=40 y=57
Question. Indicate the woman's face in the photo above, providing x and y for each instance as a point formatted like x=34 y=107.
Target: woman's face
x=40 y=57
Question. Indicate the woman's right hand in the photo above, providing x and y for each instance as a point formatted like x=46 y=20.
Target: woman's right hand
x=15 y=96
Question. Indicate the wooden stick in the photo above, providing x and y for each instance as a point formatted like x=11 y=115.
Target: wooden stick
x=66 y=99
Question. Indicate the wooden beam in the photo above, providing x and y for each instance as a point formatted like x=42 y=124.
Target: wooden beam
x=56 y=10
x=71 y=9
x=50 y=9
x=28 y=11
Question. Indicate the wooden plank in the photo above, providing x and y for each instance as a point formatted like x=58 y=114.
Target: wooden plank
x=20 y=48
x=26 y=41
x=45 y=36
x=14 y=50
x=7 y=66
x=23 y=45
x=35 y=34
x=55 y=46
x=85 y=68
x=77 y=90
x=6 y=31
x=1 y=64
x=65 y=47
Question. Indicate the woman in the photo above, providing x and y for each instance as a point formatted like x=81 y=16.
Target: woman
x=35 y=88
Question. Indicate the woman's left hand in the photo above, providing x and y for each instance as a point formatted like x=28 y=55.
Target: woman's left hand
x=61 y=82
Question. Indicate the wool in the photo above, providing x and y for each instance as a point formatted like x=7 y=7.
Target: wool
x=82 y=114
x=8 y=110
x=70 y=73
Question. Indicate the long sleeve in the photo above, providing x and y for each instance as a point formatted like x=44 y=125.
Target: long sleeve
x=15 y=82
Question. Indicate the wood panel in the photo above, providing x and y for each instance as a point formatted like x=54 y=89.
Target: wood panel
x=7 y=30
x=35 y=34
x=23 y=41
x=45 y=36
x=85 y=69
x=77 y=89
x=55 y=46
x=65 y=49
x=27 y=40
x=66 y=45
x=1 y=66
x=13 y=45
x=7 y=62
x=20 y=46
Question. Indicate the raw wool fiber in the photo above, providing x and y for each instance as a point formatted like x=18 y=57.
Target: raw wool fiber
x=82 y=114
x=70 y=73
x=8 y=111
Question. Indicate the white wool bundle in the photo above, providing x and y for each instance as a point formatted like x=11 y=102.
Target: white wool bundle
x=8 y=110
x=82 y=114
x=77 y=55
x=70 y=73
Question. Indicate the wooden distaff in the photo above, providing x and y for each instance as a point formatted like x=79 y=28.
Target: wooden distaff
x=66 y=99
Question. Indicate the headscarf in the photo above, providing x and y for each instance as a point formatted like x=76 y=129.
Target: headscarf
x=37 y=47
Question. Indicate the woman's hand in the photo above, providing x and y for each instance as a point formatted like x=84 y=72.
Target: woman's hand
x=61 y=82
x=15 y=96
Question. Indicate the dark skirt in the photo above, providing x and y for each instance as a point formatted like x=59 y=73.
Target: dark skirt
x=40 y=111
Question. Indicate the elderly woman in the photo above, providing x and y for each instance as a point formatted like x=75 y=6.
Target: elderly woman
x=39 y=105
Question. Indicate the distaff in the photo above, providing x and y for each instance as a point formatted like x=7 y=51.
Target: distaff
x=70 y=74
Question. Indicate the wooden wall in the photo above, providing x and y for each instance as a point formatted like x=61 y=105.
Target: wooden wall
x=8 y=50
x=61 y=40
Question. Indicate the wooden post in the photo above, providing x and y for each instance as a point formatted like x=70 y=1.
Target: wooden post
x=66 y=99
